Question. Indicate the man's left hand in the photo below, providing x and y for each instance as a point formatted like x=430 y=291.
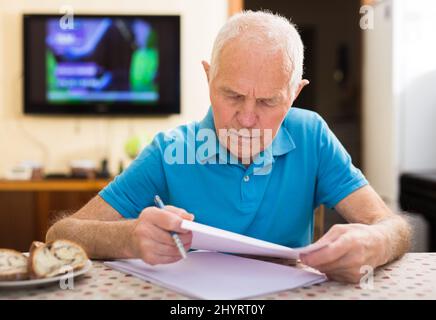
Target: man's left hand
x=347 y=248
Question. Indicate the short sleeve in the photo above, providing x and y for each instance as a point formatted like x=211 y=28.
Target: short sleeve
x=337 y=177
x=134 y=189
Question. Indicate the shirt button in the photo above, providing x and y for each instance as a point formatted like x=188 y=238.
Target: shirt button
x=246 y=178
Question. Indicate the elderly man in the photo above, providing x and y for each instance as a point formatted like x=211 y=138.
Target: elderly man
x=272 y=166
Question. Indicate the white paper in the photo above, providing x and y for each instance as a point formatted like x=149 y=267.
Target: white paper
x=212 y=275
x=214 y=239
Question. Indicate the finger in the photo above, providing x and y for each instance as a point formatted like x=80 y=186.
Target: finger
x=161 y=236
x=150 y=246
x=345 y=262
x=328 y=254
x=165 y=250
x=186 y=237
x=333 y=234
x=187 y=246
x=154 y=259
x=352 y=260
x=324 y=241
x=339 y=277
x=186 y=243
x=164 y=237
x=346 y=275
x=186 y=240
x=182 y=213
x=166 y=220
x=150 y=250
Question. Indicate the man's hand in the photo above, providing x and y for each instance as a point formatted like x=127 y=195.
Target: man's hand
x=150 y=238
x=348 y=248
x=374 y=237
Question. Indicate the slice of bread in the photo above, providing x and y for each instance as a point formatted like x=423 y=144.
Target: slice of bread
x=55 y=258
x=13 y=265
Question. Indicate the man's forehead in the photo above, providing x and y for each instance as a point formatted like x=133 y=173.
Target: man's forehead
x=249 y=62
x=240 y=72
x=255 y=51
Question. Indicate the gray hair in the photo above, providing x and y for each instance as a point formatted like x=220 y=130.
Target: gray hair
x=273 y=31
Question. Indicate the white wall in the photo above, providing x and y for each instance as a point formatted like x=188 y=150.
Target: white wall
x=379 y=151
x=415 y=87
x=57 y=140
x=399 y=104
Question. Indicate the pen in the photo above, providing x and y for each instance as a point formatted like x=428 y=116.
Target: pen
x=174 y=235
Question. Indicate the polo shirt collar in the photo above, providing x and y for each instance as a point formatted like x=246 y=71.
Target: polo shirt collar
x=282 y=143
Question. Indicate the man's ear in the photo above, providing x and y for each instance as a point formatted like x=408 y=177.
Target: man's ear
x=206 y=68
x=300 y=87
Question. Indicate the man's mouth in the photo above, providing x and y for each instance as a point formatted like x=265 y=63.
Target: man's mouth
x=244 y=133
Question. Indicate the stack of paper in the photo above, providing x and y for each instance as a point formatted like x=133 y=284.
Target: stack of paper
x=214 y=275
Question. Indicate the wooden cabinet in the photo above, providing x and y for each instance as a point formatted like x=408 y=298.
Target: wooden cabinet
x=27 y=208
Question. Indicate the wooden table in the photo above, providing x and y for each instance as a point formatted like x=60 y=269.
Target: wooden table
x=412 y=277
x=43 y=194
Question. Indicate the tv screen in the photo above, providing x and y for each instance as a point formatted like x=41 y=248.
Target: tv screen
x=101 y=65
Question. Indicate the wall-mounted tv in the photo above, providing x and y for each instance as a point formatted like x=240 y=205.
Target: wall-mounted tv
x=101 y=64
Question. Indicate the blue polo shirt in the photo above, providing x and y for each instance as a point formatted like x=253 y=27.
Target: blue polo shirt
x=273 y=199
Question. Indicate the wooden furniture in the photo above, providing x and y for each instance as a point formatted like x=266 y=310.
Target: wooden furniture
x=235 y=6
x=28 y=207
x=318 y=229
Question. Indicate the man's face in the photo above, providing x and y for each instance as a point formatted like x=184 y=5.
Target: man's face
x=250 y=97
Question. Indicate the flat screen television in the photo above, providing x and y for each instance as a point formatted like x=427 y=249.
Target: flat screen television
x=101 y=64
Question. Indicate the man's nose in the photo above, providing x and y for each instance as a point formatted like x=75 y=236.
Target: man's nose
x=246 y=116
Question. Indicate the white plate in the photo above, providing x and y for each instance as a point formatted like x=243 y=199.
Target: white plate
x=38 y=282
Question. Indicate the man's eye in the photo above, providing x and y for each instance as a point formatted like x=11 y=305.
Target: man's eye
x=266 y=103
x=236 y=97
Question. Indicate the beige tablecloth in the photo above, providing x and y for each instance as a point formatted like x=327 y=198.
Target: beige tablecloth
x=412 y=277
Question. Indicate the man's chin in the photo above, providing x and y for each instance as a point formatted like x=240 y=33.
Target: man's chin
x=244 y=157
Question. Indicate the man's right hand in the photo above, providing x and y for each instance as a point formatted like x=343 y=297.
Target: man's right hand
x=151 y=240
